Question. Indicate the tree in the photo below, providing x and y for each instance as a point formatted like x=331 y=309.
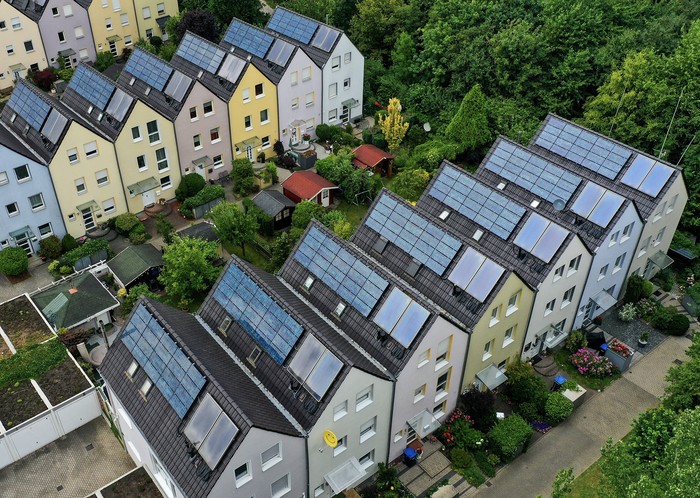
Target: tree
x=190 y=184
x=336 y=167
x=683 y=390
x=199 y=22
x=280 y=249
x=321 y=10
x=13 y=261
x=376 y=26
x=133 y=296
x=343 y=12
x=305 y=212
x=188 y=269
x=44 y=78
x=243 y=177
x=233 y=225
x=392 y=125
x=164 y=228
x=563 y=483
x=246 y=10
x=470 y=126
x=410 y=183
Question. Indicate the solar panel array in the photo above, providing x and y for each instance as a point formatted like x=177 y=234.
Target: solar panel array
x=315 y=366
x=231 y=68
x=178 y=85
x=476 y=274
x=119 y=104
x=164 y=362
x=54 y=126
x=405 y=228
x=531 y=172
x=253 y=308
x=92 y=86
x=201 y=53
x=597 y=204
x=32 y=108
x=249 y=38
x=647 y=175
x=210 y=430
x=350 y=278
x=481 y=204
x=149 y=69
x=541 y=237
x=325 y=38
x=401 y=317
x=583 y=147
x=292 y=25
x=280 y=52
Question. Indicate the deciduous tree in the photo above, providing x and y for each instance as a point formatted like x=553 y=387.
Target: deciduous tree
x=188 y=268
x=233 y=225
x=393 y=125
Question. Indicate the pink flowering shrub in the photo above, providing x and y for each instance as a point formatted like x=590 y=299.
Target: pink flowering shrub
x=590 y=364
x=619 y=347
x=457 y=429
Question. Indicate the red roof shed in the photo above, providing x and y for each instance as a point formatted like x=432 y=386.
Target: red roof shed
x=368 y=156
x=308 y=186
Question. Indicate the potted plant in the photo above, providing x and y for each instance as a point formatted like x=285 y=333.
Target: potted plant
x=305 y=138
x=643 y=339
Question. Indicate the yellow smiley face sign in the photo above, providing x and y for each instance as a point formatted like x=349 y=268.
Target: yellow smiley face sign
x=330 y=438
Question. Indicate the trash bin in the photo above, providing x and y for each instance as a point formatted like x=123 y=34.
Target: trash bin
x=409 y=457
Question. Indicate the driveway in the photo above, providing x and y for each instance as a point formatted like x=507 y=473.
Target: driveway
x=577 y=442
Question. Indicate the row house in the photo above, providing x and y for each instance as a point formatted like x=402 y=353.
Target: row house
x=553 y=260
x=342 y=66
x=296 y=75
x=419 y=344
x=479 y=289
x=21 y=45
x=30 y=209
x=244 y=94
x=66 y=32
x=201 y=134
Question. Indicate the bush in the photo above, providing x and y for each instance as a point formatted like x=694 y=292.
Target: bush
x=532 y=388
x=68 y=243
x=528 y=411
x=104 y=60
x=479 y=405
x=134 y=294
x=460 y=458
x=430 y=154
x=138 y=235
x=482 y=461
x=637 y=288
x=576 y=340
x=92 y=246
x=50 y=247
x=590 y=364
x=662 y=317
x=558 y=408
x=164 y=228
x=628 y=312
x=156 y=41
x=647 y=308
x=266 y=224
x=44 y=78
x=243 y=177
x=327 y=133
x=278 y=148
x=189 y=186
x=367 y=135
x=13 y=261
x=665 y=279
x=473 y=476
x=509 y=435
x=678 y=324
x=207 y=194
x=125 y=223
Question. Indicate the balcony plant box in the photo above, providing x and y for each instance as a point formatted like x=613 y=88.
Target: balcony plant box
x=619 y=354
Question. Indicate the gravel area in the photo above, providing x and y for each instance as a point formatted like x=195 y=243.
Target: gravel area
x=629 y=332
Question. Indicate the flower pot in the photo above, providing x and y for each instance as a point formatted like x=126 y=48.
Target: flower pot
x=642 y=343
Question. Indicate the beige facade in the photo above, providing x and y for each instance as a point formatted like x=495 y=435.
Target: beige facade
x=21 y=47
x=149 y=11
x=114 y=25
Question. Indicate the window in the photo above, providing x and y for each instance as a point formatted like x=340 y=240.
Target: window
x=513 y=303
x=22 y=173
x=341 y=446
x=242 y=474
x=309 y=99
x=196 y=140
x=549 y=307
x=208 y=108
x=367 y=459
x=102 y=177
x=10 y=49
x=67 y=10
x=254 y=355
x=333 y=90
x=160 y=8
x=346 y=84
x=28 y=46
x=83 y=53
x=368 y=429
x=264 y=117
x=558 y=273
x=146 y=12
x=295 y=103
x=672 y=204
x=348 y=57
x=133 y=367
x=265 y=142
x=3 y=178
x=214 y=135
x=487 y=350
x=424 y=358
x=153 y=133
x=364 y=398
x=508 y=337
x=559 y=327
x=502 y=366
x=310 y=124
x=116 y=6
x=568 y=296
x=614 y=237
x=603 y=272
x=419 y=393
x=162 y=159
x=573 y=265
x=218 y=161
x=645 y=246
x=443 y=353
x=149 y=33
x=127 y=40
x=16 y=24
x=439 y=410
x=246 y=95
x=108 y=206
x=80 y=186
x=340 y=411
x=442 y=385
x=660 y=212
x=335 y=63
x=332 y=114
x=136 y=134
x=308 y=282
x=34 y=67
x=248 y=122
x=141 y=161
x=61 y=37
x=306 y=73
x=165 y=182
x=319 y=491
x=619 y=262
x=495 y=313
x=339 y=309
x=54 y=11
x=90 y=149
x=72 y=155
x=12 y=209
x=627 y=231
x=146 y=388
x=271 y=456
x=124 y=19
x=108 y=22
x=280 y=487
x=659 y=236
x=193 y=113
x=259 y=90
x=3 y=26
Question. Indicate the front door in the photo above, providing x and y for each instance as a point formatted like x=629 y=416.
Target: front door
x=296 y=133
x=249 y=152
x=113 y=48
x=25 y=243
x=18 y=74
x=345 y=116
x=325 y=198
x=148 y=198
x=88 y=219
x=201 y=171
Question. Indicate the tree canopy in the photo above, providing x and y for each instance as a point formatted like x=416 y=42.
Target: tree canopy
x=188 y=269
x=233 y=225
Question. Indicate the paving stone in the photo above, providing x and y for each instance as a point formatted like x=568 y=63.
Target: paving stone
x=434 y=464
x=410 y=474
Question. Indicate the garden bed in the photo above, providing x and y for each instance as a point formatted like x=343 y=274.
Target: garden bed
x=19 y=402
x=629 y=332
x=4 y=350
x=136 y=483
x=22 y=323
x=63 y=382
x=598 y=383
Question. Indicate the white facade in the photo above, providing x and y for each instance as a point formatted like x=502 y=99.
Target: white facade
x=299 y=99
x=343 y=80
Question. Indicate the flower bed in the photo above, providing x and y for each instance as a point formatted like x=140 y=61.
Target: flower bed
x=19 y=402
x=541 y=426
x=619 y=347
x=22 y=323
x=598 y=383
x=589 y=364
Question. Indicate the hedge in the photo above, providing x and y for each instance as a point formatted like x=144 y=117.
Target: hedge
x=13 y=261
x=31 y=362
x=207 y=194
x=90 y=247
x=509 y=435
x=558 y=408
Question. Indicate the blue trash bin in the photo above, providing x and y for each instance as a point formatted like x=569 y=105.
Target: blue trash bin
x=410 y=456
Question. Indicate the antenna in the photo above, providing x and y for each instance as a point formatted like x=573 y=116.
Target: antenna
x=686 y=150
x=668 y=130
x=612 y=125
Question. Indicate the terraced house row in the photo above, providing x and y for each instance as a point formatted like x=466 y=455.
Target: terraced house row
x=108 y=147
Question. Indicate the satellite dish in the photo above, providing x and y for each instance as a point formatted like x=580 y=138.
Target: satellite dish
x=558 y=204
x=330 y=438
x=427 y=127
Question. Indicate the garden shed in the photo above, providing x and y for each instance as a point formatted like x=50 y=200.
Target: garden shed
x=309 y=186
x=136 y=264
x=374 y=159
x=277 y=206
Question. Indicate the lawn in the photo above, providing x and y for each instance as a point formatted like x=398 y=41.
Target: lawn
x=252 y=255
x=352 y=212
x=562 y=359
x=587 y=485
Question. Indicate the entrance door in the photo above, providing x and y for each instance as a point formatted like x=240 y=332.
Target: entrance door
x=345 y=115
x=88 y=219
x=410 y=435
x=249 y=152
x=18 y=75
x=25 y=243
x=148 y=198
x=296 y=133
x=113 y=48
x=325 y=198
x=201 y=171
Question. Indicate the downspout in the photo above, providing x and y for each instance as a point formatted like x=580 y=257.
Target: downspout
x=308 y=477
x=466 y=354
x=391 y=418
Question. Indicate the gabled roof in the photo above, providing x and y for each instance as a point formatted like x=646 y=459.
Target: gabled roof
x=73 y=301
x=235 y=392
x=31 y=8
x=369 y=156
x=306 y=184
x=9 y=140
x=134 y=261
x=204 y=230
x=272 y=202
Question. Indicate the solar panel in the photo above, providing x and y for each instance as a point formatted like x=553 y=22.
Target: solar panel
x=531 y=172
x=164 y=362
x=253 y=308
x=583 y=147
x=249 y=38
x=54 y=126
x=148 y=68
x=346 y=275
x=401 y=317
x=231 y=68
x=119 y=104
x=647 y=175
x=405 y=228
x=32 y=108
x=476 y=274
x=292 y=25
x=210 y=431
x=280 y=52
x=541 y=237
x=325 y=38
x=92 y=86
x=178 y=85
x=315 y=366
x=481 y=204
x=201 y=53
x=597 y=204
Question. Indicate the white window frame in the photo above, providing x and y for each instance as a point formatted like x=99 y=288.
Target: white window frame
x=80 y=182
x=424 y=358
x=73 y=151
x=659 y=236
x=513 y=303
x=603 y=271
x=341 y=446
x=368 y=429
x=332 y=90
x=442 y=355
x=210 y=104
x=4 y=180
x=568 y=297
x=574 y=265
x=549 y=307
x=335 y=63
x=146 y=12
x=164 y=159
x=367 y=460
x=261 y=94
x=153 y=136
x=271 y=460
x=244 y=478
x=626 y=232
x=340 y=410
x=419 y=393
x=295 y=103
x=488 y=347
x=15 y=212
x=281 y=492
x=364 y=398
x=25 y=178
x=495 y=316
x=306 y=73
x=508 y=336
x=99 y=177
x=619 y=262
x=108 y=205
x=267 y=116
x=558 y=273
x=90 y=149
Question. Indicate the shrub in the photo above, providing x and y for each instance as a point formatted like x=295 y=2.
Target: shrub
x=156 y=41
x=54 y=268
x=243 y=177
x=278 y=148
x=482 y=461
x=530 y=388
x=619 y=347
x=628 y=312
x=13 y=261
x=266 y=224
x=429 y=154
x=678 y=325
x=662 y=317
x=68 y=243
x=456 y=431
x=44 y=78
x=558 y=408
x=207 y=194
x=528 y=411
x=104 y=60
x=367 y=135
x=138 y=235
x=637 y=288
x=164 y=228
x=665 y=279
x=460 y=458
x=576 y=340
x=134 y=294
x=509 y=435
x=647 y=308
x=50 y=247
x=92 y=246
x=327 y=133
x=479 y=405
x=473 y=476
x=261 y=157
x=189 y=186
x=125 y=223
x=590 y=364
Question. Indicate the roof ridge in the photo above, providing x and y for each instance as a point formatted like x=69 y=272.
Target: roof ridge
x=306 y=17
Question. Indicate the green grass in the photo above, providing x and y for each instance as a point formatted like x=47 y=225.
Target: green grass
x=562 y=359
x=353 y=213
x=251 y=255
x=588 y=484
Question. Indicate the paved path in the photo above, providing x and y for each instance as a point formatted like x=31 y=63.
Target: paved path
x=40 y=277
x=577 y=442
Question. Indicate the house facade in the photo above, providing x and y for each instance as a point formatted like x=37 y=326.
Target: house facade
x=66 y=32
x=114 y=25
x=20 y=42
x=152 y=15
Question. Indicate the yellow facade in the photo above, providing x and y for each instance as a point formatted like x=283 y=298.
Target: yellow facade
x=250 y=133
x=147 y=11
x=498 y=335
x=86 y=179
x=145 y=154
x=114 y=25
x=21 y=46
